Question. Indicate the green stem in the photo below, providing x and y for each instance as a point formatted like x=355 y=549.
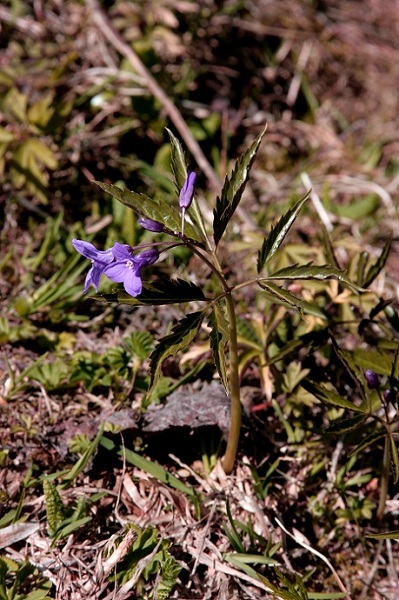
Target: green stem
x=234 y=379
x=384 y=480
x=235 y=403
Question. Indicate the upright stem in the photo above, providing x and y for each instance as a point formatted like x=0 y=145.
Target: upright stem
x=384 y=479
x=234 y=379
x=235 y=403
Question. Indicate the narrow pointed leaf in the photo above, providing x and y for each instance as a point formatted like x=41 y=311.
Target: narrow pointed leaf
x=328 y=245
x=330 y=397
x=218 y=338
x=158 y=211
x=164 y=291
x=310 y=271
x=273 y=241
x=178 y=161
x=233 y=189
x=369 y=440
x=345 y=425
x=281 y=296
x=182 y=334
x=385 y=535
x=375 y=269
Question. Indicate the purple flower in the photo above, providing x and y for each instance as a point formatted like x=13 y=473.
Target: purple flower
x=151 y=225
x=126 y=267
x=100 y=260
x=372 y=379
x=187 y=191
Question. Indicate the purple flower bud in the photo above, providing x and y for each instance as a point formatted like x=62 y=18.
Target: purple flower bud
x=388 y=396
x=151 y=225
x=187 y=191
x=372 y=379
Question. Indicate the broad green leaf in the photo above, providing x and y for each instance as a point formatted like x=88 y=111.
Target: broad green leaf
x=375 y=269
x=156 y=210
x=164 y=291
x=182 y=334
x=218 y=338
x=273 y=241
x=330 y=397
x=233 y=189
x=311 y=271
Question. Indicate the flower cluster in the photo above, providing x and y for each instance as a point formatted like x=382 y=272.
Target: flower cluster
x=119 y=263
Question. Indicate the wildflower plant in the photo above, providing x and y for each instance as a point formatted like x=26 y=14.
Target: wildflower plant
x=187 y=226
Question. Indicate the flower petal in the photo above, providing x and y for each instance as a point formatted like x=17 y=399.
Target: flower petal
x=117 y=271
x=132 y=282
x=122 y=251
x=89 y=251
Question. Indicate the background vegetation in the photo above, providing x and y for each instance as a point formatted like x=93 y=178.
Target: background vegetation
x=100 y=497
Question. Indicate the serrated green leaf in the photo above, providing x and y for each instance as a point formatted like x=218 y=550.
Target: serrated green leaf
x=281 y=296
x=233 y=189
x=277 y=234
x=376 y=268
x=182 y=334
x=139 y=343
x=330 y=397
x=328 y=246
x=218 y=339
x=157 y=210
x=379 y=362
x=164 y=291
x=341 y=426
x=310 y=271
x=368 y=441
x=178 y=161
